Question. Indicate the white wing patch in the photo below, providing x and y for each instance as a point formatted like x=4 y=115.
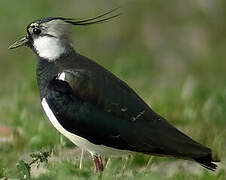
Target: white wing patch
x=49 y=48
x=61 y=76
x=79 y=141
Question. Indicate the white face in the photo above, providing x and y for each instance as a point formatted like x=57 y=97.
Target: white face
x=50 y=38
x=49 y=47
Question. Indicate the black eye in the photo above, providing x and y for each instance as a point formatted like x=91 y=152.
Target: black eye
x=36 y=31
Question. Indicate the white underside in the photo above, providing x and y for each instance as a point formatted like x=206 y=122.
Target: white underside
x=79 y=141
x=48 y=47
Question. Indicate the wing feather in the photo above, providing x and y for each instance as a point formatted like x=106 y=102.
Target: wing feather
x=104 y=110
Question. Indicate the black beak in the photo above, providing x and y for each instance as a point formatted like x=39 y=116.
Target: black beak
x=22 y=42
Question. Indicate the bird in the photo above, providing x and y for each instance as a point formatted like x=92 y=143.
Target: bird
x=92 y=107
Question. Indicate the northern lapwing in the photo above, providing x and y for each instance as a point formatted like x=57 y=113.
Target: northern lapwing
x=92 y=107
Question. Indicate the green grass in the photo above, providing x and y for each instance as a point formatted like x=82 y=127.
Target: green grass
x=173 y=55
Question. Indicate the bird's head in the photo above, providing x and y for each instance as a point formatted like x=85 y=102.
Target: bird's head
x=49 y=37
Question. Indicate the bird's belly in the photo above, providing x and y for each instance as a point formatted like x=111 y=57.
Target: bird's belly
x=96 y=149
x=81 y=142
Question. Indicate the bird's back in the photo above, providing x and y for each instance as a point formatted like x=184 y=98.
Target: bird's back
x=139 y=127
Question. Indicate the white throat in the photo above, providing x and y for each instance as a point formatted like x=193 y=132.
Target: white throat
x=49 y=48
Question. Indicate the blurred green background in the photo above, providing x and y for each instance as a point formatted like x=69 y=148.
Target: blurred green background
x=171 y=52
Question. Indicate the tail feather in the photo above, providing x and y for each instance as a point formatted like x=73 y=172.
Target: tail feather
x=207 y=162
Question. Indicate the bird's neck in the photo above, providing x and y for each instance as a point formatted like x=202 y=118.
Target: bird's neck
x=46 y=71
x=50 y=48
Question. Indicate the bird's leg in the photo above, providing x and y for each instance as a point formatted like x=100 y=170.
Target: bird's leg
x=150 y=161
x=101 y=165
x=98 y=163
x=81 y=158
x=108 y=162
x=61 y=141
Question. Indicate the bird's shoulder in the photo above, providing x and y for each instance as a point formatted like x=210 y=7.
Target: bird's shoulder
x=98 y=86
